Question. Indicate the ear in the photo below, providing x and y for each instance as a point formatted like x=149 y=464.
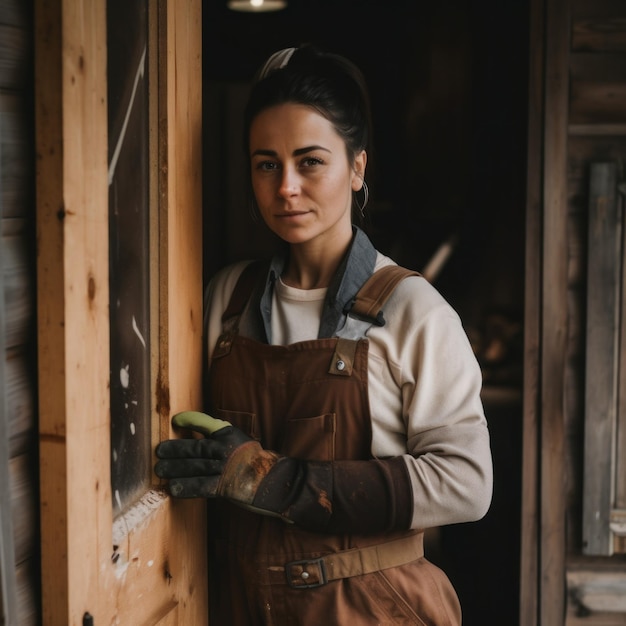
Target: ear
x=360 y=161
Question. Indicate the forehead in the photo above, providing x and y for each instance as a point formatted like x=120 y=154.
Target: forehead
x=291 y=122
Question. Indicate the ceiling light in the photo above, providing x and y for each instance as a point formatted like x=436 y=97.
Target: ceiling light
x=257 y=6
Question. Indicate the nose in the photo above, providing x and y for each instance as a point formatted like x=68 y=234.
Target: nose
x=289 y=183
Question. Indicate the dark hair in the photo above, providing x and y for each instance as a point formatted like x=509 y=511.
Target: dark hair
x=326 y=81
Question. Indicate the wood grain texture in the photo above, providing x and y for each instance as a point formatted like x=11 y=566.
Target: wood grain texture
x=554 y=315
x=602 y=344
x=529 y=554
x=156 y=566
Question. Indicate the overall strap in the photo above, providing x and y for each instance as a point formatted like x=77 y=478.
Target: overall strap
x=236 y=305
x=373 y=295
x=243 y=290
x=365 y=312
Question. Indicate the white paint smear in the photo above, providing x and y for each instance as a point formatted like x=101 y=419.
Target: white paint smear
x=125 y=376
x=143 y=341
x=116 y=153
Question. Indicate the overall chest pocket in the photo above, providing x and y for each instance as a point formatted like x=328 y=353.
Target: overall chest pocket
x=307 y=438
x=311 y=438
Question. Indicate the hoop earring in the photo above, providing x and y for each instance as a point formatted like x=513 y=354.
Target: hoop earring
x=366 y=197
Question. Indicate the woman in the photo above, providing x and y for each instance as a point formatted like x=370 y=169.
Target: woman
x=349 y=393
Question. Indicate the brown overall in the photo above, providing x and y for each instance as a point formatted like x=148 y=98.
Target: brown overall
x=310 y=400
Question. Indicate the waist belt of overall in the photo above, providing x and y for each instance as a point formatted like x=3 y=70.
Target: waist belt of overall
x=309 y=573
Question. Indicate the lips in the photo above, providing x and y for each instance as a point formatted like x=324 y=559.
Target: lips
x=291 y=214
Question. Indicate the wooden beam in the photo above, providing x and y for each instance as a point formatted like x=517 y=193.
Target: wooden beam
x=529 y=541
x=597 y=591
x=619 y=513
x=8 y=598
x=592 y=100
x=73 y=328
x=602 y=342
x=597 y=130
x=150 y=565
x=606 y=34
x=554 y=315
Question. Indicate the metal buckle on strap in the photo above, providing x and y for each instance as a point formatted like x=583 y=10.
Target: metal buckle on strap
x=306 y=574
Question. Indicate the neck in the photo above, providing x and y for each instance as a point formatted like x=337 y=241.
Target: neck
x=313 y=267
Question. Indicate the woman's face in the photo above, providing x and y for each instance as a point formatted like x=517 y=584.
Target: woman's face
x=301 y=176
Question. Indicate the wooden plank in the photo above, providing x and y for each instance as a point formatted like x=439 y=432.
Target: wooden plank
x=593 y=101
x=605 y=67
x=597 y=130
x=26 y=586
x=14 y=55
x=529 y=554
x=597 y=591
x=14 y=13
x=598 y=91
x=600 y=35
x=160 y=557
x=15 y=168
x=180 y=277
x=8 y=607
x=579 y=617
x=619 y=545
x=17 y=290
x=72 y=222
x=596 y=9
x=602 y=340
x=554 y=321
x=184 y=230
x=23 y=489
x=19 y=394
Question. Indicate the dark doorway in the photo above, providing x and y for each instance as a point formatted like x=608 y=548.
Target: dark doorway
x=448 y=82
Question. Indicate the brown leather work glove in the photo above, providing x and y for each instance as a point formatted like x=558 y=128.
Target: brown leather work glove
x=331 y=496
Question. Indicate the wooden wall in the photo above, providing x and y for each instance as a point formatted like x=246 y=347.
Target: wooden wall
x=596 y=134
x=18 y=454
x=577 y=117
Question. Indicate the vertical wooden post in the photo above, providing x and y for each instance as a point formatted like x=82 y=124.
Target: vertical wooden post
x=148 y=565
x=602 y=345
x=554 y=321
x=529 y=541
x=73 y=338
x=8 y=603
x=620 y=469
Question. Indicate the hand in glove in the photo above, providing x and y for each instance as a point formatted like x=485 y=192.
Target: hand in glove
x=227 y=463
x=333 y=496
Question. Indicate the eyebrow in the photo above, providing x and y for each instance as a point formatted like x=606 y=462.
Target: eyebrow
x=298 y=152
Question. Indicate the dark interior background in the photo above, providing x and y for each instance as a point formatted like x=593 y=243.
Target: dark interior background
x=448 y=83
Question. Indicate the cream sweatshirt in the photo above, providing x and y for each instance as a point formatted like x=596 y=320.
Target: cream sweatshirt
x=424 y=389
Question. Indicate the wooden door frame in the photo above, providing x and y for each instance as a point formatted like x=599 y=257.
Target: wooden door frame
x=82 y=572
x=543 y=541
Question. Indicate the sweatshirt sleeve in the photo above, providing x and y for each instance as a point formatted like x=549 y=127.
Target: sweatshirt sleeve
x=425 y=351
x=216 y=297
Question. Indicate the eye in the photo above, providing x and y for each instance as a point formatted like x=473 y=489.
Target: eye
x=266 y=166
x=311 y=161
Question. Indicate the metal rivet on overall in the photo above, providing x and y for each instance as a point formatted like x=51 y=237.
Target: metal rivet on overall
x=340 y=365
x=304 y=575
